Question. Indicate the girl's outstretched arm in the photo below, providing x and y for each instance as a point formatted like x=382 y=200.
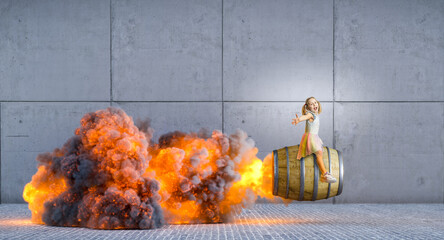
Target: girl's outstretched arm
x=301 y=119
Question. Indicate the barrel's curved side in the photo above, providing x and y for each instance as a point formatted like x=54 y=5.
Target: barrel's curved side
x=315 y=178
x=341 y=173
x=302 y=181
x=292 y=175
x=287 y=190
x=329 y=170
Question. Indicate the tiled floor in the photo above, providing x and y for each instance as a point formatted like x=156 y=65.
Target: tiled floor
x=263 y=221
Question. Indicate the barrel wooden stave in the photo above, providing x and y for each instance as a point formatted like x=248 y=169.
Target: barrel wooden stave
x=295 y=175
x=282 y=172
x=335 y=172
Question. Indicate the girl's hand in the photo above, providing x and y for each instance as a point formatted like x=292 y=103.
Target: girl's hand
x=296 y=120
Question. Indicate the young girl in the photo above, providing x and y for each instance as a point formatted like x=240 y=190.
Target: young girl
x=311 y=143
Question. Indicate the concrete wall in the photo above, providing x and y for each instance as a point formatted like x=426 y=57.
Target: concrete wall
x=376 y=66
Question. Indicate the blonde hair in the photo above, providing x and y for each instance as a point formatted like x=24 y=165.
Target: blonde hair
x=304 y=107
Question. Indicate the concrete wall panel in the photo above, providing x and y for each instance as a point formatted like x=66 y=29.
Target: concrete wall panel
x=180 y=116
x=167 y=50
x=54 y=50
x=278 y=51
x=393 y=152
x=389 y=50
x=29 y=129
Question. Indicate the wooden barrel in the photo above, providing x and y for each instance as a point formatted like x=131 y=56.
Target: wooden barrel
x=300 y=179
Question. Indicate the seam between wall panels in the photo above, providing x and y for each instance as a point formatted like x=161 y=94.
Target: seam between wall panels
x=262 y=101
x=222 y=68
x=0 y=152
x=334 y=97
x=333 y=77
x=110 y=53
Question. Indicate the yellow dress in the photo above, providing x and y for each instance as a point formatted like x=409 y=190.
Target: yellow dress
x=310 y=142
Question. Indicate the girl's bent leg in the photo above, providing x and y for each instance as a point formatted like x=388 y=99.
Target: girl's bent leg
x=320 y=162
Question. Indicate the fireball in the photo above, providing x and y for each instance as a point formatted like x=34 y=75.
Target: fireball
x=107 y=176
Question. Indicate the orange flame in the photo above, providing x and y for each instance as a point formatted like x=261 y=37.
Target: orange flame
x=43 y=187
x=203 y=180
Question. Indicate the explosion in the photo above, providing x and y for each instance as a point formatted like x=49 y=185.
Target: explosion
x=111 y=175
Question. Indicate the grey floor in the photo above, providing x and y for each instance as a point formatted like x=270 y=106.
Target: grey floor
x=263 y=221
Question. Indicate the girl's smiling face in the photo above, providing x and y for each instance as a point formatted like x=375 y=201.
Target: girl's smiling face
x=312 y=105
